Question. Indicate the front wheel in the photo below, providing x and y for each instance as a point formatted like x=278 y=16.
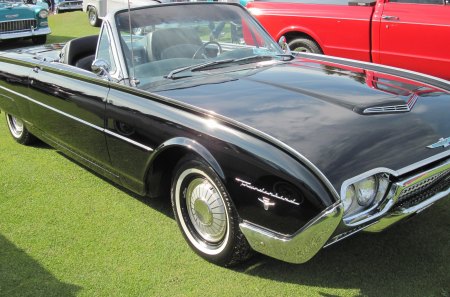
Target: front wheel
x=304 y=45
x=205 y=214
x=18 y=130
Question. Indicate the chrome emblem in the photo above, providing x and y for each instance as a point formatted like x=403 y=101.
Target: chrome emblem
x=263 y=191
x=266 y=202
x=11 y=16
x=444 y=142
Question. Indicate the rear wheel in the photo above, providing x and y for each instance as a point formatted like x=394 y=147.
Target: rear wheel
x=304 y=45
x=205 y=214
x=18 y=130
x=94 y=20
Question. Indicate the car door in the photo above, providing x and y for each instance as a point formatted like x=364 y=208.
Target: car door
x=414 y=34
x=14 y=71
x=69 y=107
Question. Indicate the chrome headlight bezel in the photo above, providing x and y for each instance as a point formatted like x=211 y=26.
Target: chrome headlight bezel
x=361 y=195
x=43 y=14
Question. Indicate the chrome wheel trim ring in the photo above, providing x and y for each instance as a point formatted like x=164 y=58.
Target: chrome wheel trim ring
x=200 y=242
x=206 y=210
x=15 y=126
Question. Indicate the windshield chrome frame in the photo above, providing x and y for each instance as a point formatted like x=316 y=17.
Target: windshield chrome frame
x=111 y=20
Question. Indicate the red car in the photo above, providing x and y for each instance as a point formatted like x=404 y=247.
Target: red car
x=410 y=34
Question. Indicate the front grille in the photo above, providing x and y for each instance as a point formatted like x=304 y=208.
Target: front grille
x=423 y=190
x=17 y=26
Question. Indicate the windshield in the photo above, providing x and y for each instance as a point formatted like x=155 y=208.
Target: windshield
x=174 y=41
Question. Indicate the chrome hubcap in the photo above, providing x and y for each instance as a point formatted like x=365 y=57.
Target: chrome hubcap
x=206 y=210
x=15 y=126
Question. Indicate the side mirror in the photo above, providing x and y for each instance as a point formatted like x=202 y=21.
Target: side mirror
x=100 y=67
x=282 y=42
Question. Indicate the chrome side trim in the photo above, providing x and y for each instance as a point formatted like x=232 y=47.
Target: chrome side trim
x=135 y=143
x=301 y=246
x=381 y=66
x=347 y=234
x=106 y=131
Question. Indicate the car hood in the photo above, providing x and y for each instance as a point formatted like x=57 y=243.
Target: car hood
x=13 y=12
x=340 y=118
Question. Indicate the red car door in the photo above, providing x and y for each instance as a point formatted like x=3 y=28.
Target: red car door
x=415 y=34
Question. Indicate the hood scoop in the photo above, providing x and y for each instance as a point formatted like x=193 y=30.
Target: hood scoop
x=392 y=108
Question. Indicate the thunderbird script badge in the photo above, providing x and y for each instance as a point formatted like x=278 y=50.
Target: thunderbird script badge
x=444 y=142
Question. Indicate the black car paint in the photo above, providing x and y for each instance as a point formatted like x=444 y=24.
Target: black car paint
x=168 y=128
x=314 y=113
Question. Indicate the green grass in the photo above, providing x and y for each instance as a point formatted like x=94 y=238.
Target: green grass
x=69 y=25
x=67 y=232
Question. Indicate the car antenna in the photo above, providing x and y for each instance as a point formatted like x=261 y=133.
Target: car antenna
x=134 y=82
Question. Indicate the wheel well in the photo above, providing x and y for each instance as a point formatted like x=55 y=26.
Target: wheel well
x=159 y=177
x=293 y=35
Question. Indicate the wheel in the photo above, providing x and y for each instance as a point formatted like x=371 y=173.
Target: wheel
x=205 y=214
x=94 y=20
x=39 y=39
x=18 y=130
x=304 y=45
x=201 y=52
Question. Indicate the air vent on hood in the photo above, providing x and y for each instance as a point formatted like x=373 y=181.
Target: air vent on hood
x=393 y=108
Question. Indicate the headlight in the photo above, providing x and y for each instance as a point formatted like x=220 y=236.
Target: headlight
x=43 y=14
x=364 y=194
x=366 y=190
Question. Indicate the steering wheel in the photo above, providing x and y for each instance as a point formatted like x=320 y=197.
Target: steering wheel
x=201 y=52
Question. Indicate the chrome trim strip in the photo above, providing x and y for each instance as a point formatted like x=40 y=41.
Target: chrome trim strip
x=323 y=58
x=347 y=234
x=147 y=148
x=301 y=246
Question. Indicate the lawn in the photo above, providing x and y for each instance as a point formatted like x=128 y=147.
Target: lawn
x=67 y=232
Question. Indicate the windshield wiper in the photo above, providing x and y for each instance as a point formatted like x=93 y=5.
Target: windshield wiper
x=207 y=65
x=197 y=67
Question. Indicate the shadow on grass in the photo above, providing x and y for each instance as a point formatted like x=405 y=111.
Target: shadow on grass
x=409 y=259
x=21 y=275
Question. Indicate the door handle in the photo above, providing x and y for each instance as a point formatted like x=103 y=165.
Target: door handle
x=390 y=18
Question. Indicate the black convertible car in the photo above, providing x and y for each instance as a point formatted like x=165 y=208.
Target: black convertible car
x=257 y=148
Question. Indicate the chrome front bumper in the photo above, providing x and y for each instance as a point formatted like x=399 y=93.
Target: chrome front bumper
x=31 y=33
x=301 y=246
x=406 y=200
